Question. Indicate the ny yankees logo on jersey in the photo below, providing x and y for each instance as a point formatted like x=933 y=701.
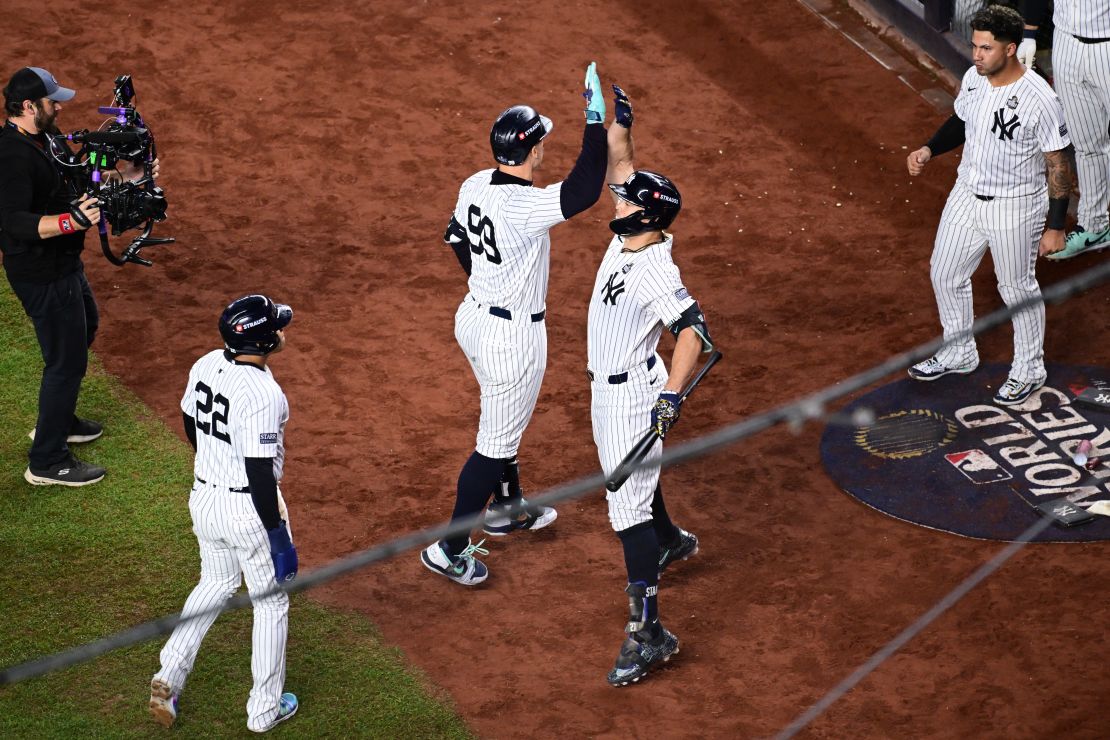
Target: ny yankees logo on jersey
x=1003 y=127
x=612 y=290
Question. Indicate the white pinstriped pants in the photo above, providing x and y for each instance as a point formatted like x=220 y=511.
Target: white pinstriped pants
x=1081 y=74
x=233 y=546
x=508 y=358
x=621 y=414
x=1012 y=228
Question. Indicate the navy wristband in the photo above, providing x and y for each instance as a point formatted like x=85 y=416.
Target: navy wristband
x=1057 y=213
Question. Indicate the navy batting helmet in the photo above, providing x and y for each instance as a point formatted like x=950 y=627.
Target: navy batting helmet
x=657 y=198
x=249 y=325
x=515 y=132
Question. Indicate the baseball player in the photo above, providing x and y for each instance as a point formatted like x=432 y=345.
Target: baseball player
x=499 y=232
x=235 y=415
x=1005 y=116
x=1081 y=72
x=638 y=291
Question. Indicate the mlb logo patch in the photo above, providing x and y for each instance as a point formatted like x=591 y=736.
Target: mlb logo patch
x=978 y=467
x=267 y=438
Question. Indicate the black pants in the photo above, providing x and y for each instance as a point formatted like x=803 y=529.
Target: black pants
x=66 y=318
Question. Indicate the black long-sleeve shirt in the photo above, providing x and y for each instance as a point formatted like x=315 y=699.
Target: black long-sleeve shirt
x=32 y=186
x=583 y=185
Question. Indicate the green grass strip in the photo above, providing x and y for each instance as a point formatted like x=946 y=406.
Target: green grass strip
x=79 y=563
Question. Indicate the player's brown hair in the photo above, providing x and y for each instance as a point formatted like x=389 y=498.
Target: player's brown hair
x=1004 y=23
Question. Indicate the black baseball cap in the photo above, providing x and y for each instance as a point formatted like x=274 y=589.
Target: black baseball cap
x=33 y=83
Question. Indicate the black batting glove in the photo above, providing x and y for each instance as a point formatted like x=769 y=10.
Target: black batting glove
x=622 y=107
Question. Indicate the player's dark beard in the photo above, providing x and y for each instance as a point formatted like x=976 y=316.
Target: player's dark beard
x=45 y=121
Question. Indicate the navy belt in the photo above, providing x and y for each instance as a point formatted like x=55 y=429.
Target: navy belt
x=504 y=313
x=233 y=490
x=622 y=377
x=984 y=197
x=1089 y=40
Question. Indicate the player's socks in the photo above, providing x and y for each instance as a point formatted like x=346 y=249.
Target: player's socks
x=641 y=560
x=665 y=530
x=477 y=480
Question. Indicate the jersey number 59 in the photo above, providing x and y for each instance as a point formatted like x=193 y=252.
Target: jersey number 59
x=219 y=417
x=482 y=228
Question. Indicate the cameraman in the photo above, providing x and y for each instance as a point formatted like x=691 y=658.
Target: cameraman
x=44 y=215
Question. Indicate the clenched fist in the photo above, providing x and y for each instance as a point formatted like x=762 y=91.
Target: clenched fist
x=915 y=163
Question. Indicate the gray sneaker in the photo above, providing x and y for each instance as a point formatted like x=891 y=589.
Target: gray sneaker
x=932 y=369
x=1015 y=391
x=71 y=472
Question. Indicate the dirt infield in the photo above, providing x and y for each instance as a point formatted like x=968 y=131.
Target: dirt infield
x=315 y=152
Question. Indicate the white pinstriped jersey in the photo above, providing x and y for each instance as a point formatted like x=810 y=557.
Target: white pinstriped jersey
x=635 y=295
x=240 y=412
x=1087 y=18
x=510 y=246
x=1007 y=129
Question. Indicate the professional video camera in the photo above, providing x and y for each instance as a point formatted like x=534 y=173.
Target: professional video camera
x=123 y=204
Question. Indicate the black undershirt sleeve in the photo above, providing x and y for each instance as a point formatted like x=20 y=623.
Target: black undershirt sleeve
x=949 y=136
x=462 y=252
x=1033 y=11
x=260 y=474
x=583 y=185
x=190 y=429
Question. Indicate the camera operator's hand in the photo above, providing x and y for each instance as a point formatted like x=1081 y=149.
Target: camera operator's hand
x=134 y=172
x=88 y=207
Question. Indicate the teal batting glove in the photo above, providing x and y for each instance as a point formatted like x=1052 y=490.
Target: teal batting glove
x=595 y=100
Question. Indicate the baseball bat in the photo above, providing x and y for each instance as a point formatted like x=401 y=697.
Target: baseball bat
x=620 y=475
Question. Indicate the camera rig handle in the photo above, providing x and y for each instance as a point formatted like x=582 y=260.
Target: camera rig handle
x=131 y=254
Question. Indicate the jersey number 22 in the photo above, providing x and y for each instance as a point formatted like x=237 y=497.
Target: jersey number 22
x=219 y=417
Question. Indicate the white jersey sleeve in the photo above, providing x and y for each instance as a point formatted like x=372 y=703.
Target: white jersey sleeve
x=1052 y=130
x=188 y=404
x=537 y=209
x=668 y=296
x=262 y=422
x=967 y=84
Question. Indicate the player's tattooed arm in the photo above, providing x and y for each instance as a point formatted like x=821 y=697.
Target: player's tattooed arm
x=1059 y=173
